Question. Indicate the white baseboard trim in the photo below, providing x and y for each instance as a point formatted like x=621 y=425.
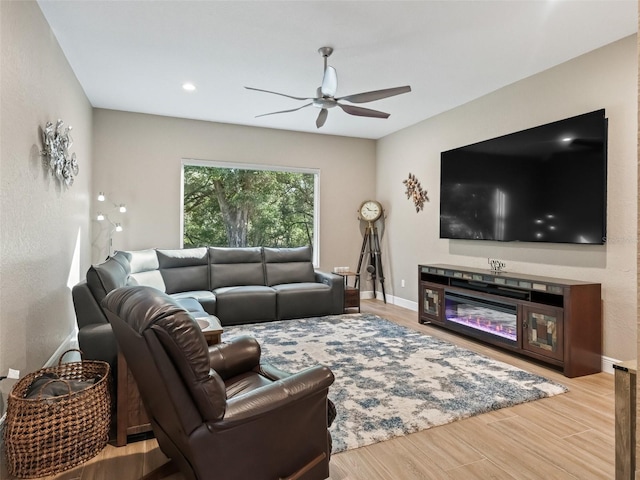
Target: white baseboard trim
x=393 y=300
x=68 y=343
x=607 y=364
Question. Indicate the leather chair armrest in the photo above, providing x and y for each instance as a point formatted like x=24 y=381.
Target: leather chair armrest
x=240 y=355
x=271 y=372
x=276 y=395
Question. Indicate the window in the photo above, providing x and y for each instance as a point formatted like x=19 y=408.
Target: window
x=238 y=205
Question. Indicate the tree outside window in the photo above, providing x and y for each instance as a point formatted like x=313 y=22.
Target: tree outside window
x=247 y=207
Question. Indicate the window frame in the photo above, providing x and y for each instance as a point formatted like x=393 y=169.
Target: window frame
x=264 y=167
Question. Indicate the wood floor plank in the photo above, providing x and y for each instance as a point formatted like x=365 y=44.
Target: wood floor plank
x=523 y=459
x=393 y=457
x=511 y=443
x=480 y=470
x=554 y=450
x=437 y=445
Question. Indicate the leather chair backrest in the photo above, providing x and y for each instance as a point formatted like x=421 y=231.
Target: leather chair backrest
x=288 y=265
x=184 y=269
x=232 y=267
x=168 y=355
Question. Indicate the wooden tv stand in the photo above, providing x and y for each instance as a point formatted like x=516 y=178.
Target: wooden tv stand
x=554 y=320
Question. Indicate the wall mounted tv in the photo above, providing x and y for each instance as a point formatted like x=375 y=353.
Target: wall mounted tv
x=544 y=184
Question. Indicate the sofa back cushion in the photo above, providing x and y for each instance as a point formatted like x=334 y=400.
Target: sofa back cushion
x=145 y=269
x=184 y=270
x=109 y=275
x=288 y=265
x=236 y=266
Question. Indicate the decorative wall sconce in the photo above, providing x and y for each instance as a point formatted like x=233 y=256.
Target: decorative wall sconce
x=415 y=192
x=57 y=141
x=114 y=226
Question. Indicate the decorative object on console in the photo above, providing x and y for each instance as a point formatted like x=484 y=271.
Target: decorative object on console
x=113 y=226
x=57 y=140
x=496 y=265
x=415 y=192
x=381 y=389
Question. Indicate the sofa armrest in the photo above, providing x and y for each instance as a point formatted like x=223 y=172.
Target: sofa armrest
x=328 y=278
x=228 y=359
x=277 y=395
x=88 y=311
x=98 y=342
x=336 y=283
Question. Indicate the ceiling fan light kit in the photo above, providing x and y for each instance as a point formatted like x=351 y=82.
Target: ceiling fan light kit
x=325 y=96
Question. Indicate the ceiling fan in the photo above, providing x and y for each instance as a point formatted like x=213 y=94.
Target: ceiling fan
x=325 y=96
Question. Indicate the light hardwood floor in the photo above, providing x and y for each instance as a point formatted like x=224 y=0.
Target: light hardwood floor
x=569 y=436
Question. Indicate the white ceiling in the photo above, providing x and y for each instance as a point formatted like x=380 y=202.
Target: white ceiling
x=135 y=55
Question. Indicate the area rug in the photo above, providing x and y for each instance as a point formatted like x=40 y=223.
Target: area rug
x=391 y=380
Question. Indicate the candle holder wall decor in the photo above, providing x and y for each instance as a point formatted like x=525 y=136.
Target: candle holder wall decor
x=415 y=192
x=57 y=141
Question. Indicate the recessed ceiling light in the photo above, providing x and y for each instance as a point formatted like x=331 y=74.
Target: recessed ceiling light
x=189 y=87
x=567 y=139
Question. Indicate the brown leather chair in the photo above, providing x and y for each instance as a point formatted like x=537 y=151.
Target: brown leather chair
x=217 y=412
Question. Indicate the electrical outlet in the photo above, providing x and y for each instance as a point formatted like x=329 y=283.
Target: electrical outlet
x=402 y=283
x=13 y=374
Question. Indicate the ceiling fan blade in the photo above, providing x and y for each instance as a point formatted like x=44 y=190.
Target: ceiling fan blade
x=329 y=82
x=281 y=94
x=363 y=112
x=375 y=94
x=322 y=117
x=284 y=111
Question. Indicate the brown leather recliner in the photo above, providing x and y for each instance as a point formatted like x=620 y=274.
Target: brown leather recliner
x=217 y=412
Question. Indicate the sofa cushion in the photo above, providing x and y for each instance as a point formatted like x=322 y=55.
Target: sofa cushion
x=236 y=266
x=288 y=265
x=205 y=298
x=145 y=269
x=245 y=304
x=109 y=275
x=299 y=300
x=184 y=269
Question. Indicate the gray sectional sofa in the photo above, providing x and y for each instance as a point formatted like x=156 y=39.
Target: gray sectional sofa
x=238 y=285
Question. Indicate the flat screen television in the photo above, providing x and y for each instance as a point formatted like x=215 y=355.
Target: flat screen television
x=543 y=184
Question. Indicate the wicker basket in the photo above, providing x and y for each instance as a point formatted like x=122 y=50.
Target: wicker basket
x=45 y=436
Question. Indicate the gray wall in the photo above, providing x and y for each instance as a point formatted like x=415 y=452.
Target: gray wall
x=605 y=78
x=44 y=229
x=138 y=162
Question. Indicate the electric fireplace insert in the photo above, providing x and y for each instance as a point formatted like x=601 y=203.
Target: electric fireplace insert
x=483 y=316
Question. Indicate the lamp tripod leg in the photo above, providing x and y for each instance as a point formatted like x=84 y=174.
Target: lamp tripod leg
x=378 y=255
x=365 y=242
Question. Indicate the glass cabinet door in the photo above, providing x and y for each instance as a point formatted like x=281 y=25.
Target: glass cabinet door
x=543 y=330
x=431 y=303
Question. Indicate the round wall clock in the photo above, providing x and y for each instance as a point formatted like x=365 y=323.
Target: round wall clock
x=370 y=210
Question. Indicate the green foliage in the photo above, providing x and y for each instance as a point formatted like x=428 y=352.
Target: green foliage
x=243 y=208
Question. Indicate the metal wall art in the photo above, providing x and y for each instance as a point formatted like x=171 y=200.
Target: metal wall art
x=415 y=192
x=57 y=141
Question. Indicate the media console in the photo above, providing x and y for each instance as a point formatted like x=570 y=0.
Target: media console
x=552 y=320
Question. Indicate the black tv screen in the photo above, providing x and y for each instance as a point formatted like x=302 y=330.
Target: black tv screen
x=543 y=184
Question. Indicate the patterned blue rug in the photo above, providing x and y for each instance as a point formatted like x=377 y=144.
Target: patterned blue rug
x=390 y=380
